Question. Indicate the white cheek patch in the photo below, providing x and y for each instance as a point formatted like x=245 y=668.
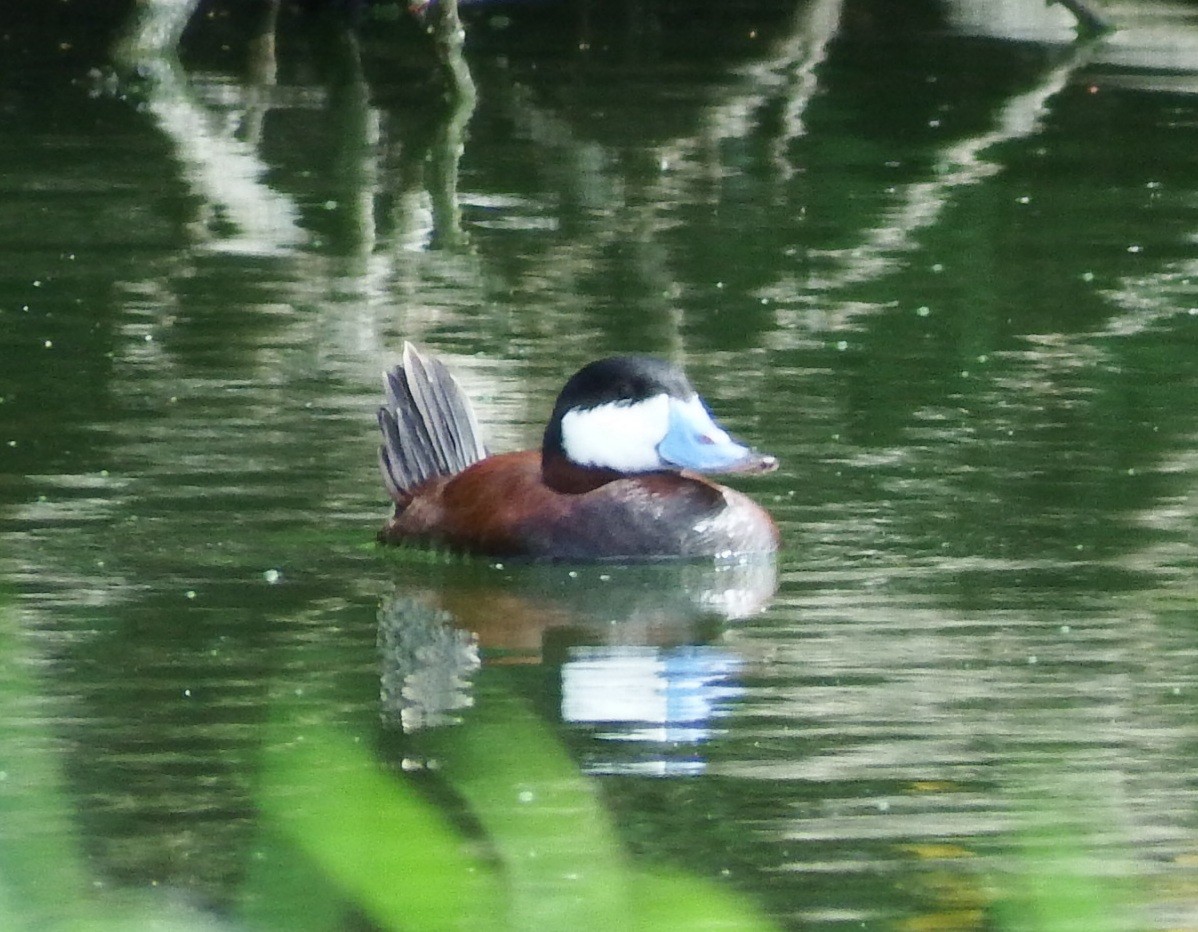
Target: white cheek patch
x=619 y=435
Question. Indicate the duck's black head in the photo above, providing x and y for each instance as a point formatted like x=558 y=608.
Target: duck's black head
x=636 y=414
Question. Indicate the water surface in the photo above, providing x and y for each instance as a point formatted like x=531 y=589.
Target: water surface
x=940 y=261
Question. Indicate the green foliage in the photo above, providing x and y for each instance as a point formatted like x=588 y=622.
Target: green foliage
x=1058 y=882
x=546 y=856
x=44 y=880
x=1053 y=892
x=388 y=851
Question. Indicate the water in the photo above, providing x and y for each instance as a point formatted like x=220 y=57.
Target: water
x=939 y=260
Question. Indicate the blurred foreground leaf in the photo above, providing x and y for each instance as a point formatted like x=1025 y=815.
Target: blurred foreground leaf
x=565 y=865
x=41 y=879
x=1065 y=876
x=344 y=836
x=45 y=883
x=388 y=850
x=555 y=862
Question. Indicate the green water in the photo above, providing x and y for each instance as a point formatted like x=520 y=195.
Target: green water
x=942 y=261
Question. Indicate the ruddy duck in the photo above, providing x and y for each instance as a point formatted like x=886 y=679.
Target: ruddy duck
x=615 y=477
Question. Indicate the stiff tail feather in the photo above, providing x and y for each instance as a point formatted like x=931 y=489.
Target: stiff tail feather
x=429 y=428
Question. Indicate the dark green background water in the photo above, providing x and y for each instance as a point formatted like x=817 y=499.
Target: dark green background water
x=942 y=262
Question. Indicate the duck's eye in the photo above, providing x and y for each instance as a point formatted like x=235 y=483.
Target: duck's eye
x=706 y=440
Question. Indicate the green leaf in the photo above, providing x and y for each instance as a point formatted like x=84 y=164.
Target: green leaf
x=390 y=852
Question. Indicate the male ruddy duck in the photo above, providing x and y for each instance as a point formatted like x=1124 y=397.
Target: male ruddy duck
x=615 y=477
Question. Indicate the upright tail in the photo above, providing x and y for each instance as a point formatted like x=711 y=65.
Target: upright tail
x=429 y=428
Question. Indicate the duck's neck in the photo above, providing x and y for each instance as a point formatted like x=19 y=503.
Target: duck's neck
x=561 y=475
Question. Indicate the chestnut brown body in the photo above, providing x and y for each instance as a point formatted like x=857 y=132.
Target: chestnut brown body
x=502 y=506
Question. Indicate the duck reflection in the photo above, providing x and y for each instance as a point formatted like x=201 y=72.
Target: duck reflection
x=634 y=650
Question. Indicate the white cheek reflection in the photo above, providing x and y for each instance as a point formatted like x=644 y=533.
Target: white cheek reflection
x=617 y=435
x=669 y=699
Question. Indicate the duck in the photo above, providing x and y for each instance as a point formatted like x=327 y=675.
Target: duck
x=621 y=474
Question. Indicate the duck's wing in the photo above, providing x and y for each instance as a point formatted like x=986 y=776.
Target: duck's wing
x=428 y=425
